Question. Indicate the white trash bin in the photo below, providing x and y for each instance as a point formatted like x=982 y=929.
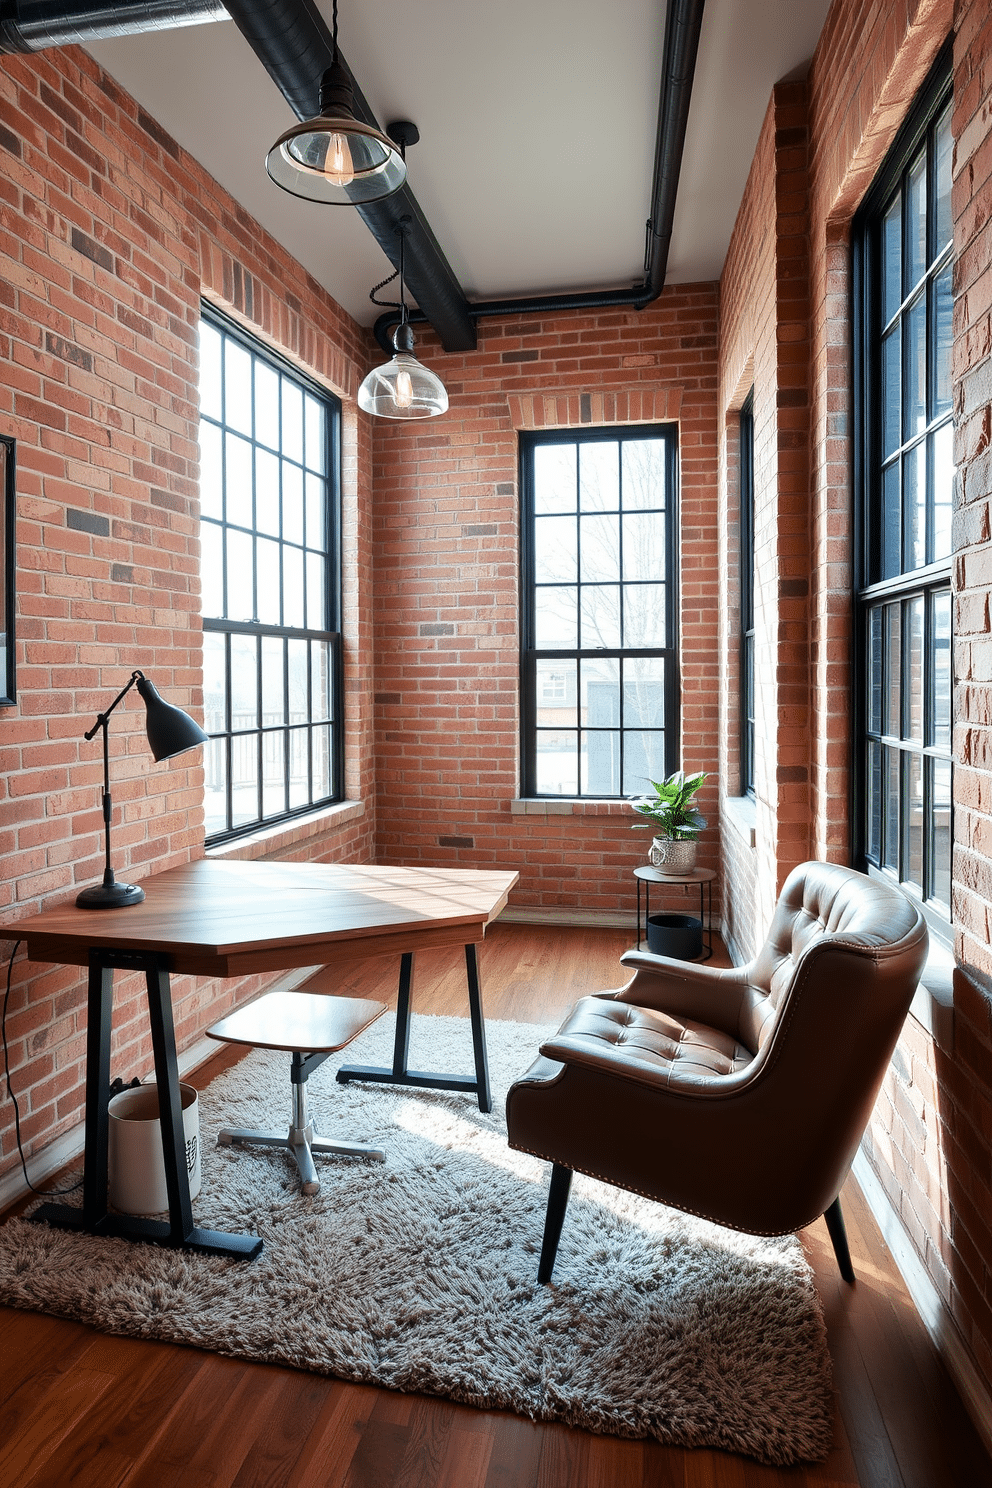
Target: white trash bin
x=137 y=1167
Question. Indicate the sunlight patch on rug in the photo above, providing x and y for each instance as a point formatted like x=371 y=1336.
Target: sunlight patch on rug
x=420 y=1273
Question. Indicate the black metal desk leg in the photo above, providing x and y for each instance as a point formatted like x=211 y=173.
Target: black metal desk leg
x=401 y=1043
x=478 y=1028
x=99 y=1014
x=169 y=1104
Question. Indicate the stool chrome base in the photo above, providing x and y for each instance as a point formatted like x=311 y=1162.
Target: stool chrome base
x=301 y=1141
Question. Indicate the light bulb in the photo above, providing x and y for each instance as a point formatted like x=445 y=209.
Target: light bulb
x=339 y=168
x=403 y=396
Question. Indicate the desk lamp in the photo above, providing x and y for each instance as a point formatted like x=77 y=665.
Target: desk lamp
x=170 y=731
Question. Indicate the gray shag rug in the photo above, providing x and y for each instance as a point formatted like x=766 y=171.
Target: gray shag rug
x=419 y=1273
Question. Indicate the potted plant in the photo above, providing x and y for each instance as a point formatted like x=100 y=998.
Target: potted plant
x=675 y=820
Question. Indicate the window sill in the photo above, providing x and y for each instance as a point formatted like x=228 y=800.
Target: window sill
x=568 y=806
x=741 y=813
x=269 y=840
x=933 y=1004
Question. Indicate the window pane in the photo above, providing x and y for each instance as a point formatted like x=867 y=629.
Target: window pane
x=943 y=153
x=891 y=523
x=273 y=698
x=891 y=385
x=316 y=435
x=244 y=682
x=940 y=795
x=644 y=546
x=890 y=857
x=215 y=785
x=943 y=341
x=893 y=692
x=892 y=260
x=237 y=386
x=555 y=467
x=316 y=591
x=644 y=615
x=238 y=481
x=599 y=476
x=266 y=405
x=267 y=492
x=600 y=608
x=299 y=768
x=320 y=680
x=292 y=502
x=642 y=463
x=269 y=591
x=916 y=221
x=599 y=763
x=913 y=814
x=210 y=376
x=555 y=558
x=913 y=616
x=556 y=693
x=292 y=588
x=212 y=569
x=296 y=656
x=214 y=682
x=316 y=512
x=320 y=745
x=941 y=625
x=915 y=400
x=874 y=844
x=211 y=472
x=240 y=576
x=875 y=672
x=914 y=506
x=244 y=780
x=274 y=774
x=643 y=760
x=599 y=547
x=557 y=763
x=943 y=491
x=600 y=702
x=292 y=421
x=644 y=693
x=556 y=621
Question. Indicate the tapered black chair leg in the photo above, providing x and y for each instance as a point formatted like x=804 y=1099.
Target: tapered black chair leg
x=561 y=1183
x=838 y=1235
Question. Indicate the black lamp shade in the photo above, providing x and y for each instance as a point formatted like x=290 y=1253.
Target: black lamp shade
x=170 y=731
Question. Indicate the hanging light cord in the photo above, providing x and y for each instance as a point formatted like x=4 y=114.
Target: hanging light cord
x=46 y=1193
x=334 y=33
x=399 y=304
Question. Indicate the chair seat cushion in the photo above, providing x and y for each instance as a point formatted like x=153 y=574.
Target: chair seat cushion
x=661 y=1042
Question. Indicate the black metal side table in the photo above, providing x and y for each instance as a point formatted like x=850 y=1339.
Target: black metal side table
x=703 y=877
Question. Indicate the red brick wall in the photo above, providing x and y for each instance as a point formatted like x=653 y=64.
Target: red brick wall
x=109 y=235
x=446 y=525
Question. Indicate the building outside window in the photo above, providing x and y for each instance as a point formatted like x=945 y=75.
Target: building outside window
x=599 y=660
x=904 y=480
x=747 y=734
x=270 y=501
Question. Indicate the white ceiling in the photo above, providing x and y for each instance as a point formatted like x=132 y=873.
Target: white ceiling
x=537 y=121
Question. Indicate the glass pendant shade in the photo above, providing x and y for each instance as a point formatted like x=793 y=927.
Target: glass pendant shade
x=335 y=158
x=404 y=388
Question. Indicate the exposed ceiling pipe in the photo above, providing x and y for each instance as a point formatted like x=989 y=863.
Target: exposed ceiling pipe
x=682 y=27
x=292 y=42
x=31 y=25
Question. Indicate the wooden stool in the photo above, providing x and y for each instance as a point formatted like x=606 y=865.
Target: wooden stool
x=310 y=1026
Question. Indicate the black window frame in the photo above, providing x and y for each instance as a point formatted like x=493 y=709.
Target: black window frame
x=322 y=642
x=886 y=759
x=746 y=569
x=530 y=655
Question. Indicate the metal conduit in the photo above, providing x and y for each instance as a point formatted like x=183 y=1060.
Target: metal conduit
x=31 y=25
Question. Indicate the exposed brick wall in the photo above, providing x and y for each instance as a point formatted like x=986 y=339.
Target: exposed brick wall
x=446 y=522
x=109 y=235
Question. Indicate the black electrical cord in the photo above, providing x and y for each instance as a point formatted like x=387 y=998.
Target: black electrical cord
x=50 y=1193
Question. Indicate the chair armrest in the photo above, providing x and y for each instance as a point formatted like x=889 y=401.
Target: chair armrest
x=591 y=1054
x=706 y=994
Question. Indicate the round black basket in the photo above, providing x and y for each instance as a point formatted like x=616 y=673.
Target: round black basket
x=676 y=935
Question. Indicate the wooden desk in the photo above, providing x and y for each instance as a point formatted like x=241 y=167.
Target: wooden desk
x=212 y=918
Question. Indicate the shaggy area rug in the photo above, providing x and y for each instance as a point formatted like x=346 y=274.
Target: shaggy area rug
x=420 y=1273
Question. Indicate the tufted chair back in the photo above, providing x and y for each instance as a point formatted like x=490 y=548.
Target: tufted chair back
x=739 y=1094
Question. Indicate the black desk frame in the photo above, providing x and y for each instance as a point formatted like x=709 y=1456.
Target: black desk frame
x=179 y=1232
x=400 y=1074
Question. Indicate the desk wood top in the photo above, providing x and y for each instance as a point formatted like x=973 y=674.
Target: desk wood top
x=217 y=918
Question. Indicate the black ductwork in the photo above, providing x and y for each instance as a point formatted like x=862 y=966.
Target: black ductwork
x=31 y=25
x=682 y=27
x=293 y=44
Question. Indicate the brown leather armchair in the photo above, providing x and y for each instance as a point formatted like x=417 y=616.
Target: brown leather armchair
x=738 y=1095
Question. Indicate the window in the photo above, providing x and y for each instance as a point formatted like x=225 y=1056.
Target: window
x=269 y=484
x=747 y=594
x=904 y=478
x=599 y=671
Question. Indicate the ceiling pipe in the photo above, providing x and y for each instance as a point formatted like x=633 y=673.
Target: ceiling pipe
x=32 y=25
x=291 y=40
x=682 y=27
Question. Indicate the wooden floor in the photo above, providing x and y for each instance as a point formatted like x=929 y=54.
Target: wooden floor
x=81 y=1409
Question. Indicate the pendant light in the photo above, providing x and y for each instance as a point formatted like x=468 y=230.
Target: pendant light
x=404 y=388
x=335 y=158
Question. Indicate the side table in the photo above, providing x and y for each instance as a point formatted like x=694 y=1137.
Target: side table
x=704 y=877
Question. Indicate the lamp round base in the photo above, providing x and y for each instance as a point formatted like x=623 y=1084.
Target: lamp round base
x=110 y=896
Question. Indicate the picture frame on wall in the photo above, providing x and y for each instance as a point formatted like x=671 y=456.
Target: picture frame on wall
x=7 y=571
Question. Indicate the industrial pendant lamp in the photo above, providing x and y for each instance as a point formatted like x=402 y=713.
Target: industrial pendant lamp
x=404 y=388
x=335 y=158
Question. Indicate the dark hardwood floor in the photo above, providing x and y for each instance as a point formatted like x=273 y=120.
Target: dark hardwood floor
x=81 y=1409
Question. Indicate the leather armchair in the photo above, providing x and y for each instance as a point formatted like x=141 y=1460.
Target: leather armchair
x=739 y=1095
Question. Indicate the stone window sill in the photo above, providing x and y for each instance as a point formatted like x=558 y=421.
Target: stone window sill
x=269 y=840
x=565 y=806
x=740 y=813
